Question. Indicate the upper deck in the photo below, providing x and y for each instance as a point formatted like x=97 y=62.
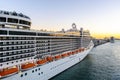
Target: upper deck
x=14 y=20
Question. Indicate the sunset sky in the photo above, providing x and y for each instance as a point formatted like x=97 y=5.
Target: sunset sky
x=101 y=17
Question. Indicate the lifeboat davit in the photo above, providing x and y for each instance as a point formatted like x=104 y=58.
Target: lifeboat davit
x=49 y=58
x=42 y=61
x=57 y=57
x=8 y=71
x=27 y=66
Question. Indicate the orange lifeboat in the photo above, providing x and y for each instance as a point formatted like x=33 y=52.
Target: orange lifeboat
x=79 y=50
x=57 y=57
x=42 y=61
x=73 y=52
x=69 y=53
x=27 y=66
x=82 y=49
x=8 y=71
x=76 y=51
x=64 y=55
x=49 y=58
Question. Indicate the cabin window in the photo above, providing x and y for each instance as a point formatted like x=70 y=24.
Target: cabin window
x=1 y=54
x=25 y=22
x=7 y=13
x=2 y=19
x=3 y=32
x=14 y=13
x=11 y=20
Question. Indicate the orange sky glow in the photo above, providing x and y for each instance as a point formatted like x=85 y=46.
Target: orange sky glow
x=105 y=35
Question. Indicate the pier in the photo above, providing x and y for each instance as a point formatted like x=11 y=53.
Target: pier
x=100 y=41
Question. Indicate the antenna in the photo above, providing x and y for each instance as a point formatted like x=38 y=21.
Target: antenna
x=74 y=26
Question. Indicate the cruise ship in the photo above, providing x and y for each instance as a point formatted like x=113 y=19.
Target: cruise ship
x=27 y=54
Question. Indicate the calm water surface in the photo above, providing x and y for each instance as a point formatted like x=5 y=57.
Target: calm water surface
x=103 y=63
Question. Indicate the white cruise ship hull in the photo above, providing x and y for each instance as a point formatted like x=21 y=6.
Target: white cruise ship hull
x=49 y=70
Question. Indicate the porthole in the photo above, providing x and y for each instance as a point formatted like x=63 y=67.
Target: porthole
x=38 y=68
x=38 y=73
x=25 y=74
x=21 y=75
x=41 y=72
x=32 y=71
x=35 y=69
x=0 y=64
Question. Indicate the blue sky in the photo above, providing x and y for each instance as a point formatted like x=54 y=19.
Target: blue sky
x=99 y=16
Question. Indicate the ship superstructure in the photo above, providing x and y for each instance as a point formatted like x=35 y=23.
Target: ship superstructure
x=25 y=53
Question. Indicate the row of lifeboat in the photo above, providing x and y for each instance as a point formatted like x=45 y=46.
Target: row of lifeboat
x=15 y=69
